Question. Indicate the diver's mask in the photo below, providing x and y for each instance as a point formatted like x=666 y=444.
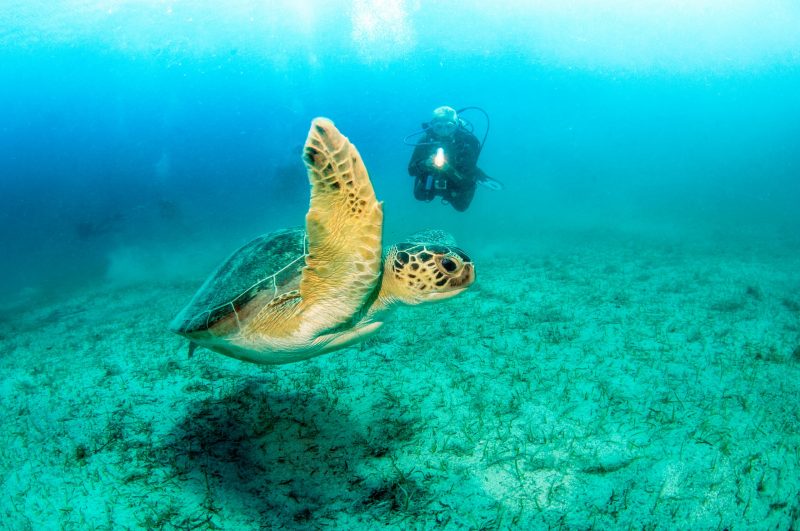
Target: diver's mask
x=444 y=121
x=443 y=128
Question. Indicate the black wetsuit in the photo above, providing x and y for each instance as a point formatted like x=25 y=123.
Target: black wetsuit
x=457 y=180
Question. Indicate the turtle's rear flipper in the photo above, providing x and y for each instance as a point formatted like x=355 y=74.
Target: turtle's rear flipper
x=192 y=347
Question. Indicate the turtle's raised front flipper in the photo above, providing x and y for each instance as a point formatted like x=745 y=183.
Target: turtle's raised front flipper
x=344 y=225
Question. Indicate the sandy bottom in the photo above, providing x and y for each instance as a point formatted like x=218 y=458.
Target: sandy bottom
x=612 y=384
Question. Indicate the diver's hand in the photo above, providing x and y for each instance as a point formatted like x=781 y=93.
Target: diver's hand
x=430 y=166
x=443 y=169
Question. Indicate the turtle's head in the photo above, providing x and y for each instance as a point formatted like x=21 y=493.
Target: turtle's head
x=419 y=272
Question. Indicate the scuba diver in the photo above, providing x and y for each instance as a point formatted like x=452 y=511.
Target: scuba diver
x=444 y=162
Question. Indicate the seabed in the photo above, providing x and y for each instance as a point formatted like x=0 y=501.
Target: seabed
x=615 y=384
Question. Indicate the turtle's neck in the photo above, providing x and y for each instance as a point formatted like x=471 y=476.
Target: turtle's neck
x=380 y=300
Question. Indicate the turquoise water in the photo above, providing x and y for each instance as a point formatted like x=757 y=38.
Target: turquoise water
x=628 y=357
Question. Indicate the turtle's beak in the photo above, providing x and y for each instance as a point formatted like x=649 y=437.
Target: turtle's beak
x=442 y=295
x=466 y=278
x=456 y=285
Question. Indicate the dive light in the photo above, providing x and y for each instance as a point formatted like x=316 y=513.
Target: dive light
x=438 y=159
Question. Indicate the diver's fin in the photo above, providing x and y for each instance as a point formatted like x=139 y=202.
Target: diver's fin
x=491 y=184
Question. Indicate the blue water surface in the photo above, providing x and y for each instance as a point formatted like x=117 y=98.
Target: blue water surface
x=159 y=124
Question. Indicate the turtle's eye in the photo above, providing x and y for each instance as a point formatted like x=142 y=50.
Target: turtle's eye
x=448 y=265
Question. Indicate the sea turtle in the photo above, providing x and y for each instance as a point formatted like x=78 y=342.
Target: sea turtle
x=295 y=294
